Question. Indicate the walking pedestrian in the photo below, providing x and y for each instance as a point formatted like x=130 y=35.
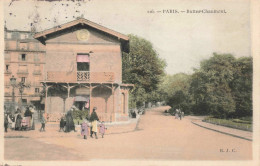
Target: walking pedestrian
x=84 y=129
x=94 y=120
x=43 y=124
x=102 y=129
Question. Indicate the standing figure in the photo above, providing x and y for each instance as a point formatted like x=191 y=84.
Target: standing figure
x=6 y=123
x=84 y=129
x=43 y=124
x=32 y=117
x=62 y=124
x=102 y=129
x=28 y=115
x=180 y=115
x=69 y=122
x=177 y=114
x=18 y=121
x=94 y=120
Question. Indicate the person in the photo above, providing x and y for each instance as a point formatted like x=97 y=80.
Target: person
x=176 y=114
x=102 y=129
x=84 y=129
x=180 y=115
x=94 y=119
x=32 y=110
x=28 y=115
x=6 y=123
x=11 y=121
x=69 y=122
x=62 y=124
x=18 y=120
x=43 y=124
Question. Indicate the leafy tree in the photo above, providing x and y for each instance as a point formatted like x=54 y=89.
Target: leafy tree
x=241 y=86
x=143 y=68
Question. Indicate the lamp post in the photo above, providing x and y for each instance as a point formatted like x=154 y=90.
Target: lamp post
x=21 y=87
x=13 y=84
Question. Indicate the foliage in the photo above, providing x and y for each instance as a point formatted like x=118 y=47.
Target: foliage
x=143 y=68
x=78 y=114
x=221 y=87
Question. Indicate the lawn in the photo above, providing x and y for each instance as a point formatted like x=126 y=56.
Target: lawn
x=232 y=123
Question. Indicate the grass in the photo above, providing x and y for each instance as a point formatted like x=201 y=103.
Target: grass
x=232 y=123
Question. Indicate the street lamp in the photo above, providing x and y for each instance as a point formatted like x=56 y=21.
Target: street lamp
x=13 y=84
x=21 y=87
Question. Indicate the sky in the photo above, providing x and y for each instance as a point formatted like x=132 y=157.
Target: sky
x=181 y=39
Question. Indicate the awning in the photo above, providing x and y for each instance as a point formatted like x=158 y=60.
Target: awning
x=82 y=58
x=81 y=98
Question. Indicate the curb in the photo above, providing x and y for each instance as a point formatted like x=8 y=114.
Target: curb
x=222 y=132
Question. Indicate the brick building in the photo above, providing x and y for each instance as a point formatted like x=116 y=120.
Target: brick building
x=79 y=63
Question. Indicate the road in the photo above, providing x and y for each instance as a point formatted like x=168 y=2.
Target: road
x=157 y=137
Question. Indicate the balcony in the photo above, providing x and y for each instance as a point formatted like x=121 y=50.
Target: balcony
x=81 y=76
x=37 y=72
x=22 y=72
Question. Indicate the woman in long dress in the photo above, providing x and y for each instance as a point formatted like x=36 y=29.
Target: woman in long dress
x=94 y=122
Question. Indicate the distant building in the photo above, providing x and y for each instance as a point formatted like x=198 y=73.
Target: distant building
x=79 y=63
x=24 y=59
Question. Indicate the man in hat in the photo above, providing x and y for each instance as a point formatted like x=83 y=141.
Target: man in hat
x=94 y=120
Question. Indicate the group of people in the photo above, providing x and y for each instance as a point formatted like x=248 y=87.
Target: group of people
x=19 y=121
x=93 y=126
x=87 y=127
x=179 y=114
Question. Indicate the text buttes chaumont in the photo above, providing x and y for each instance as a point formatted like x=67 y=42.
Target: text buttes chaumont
x=205 y=11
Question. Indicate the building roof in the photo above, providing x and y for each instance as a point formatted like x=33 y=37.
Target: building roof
x=42 y=36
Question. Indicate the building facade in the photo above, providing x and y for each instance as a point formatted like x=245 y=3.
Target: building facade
x=24 y=60
x=79 y=64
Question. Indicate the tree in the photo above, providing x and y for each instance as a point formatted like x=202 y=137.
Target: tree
x=175 y=89
x=143 y=68
x=241 y=86
x=218 y=73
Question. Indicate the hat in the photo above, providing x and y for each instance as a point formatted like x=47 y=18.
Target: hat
x=94 y=108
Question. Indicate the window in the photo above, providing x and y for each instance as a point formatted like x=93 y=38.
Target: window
x=37 y=90
x=23 y=57
x=36 y=58
x=83 y=61
x=22 y=36
x=6 y=67
x=23 y=79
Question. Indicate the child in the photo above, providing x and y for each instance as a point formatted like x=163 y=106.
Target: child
x=102 y=129
x=84 y=129
x=62 y=124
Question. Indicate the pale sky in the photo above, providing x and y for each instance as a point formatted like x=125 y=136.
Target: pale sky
x=182 y=39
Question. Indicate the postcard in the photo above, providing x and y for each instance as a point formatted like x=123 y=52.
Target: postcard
x=152 y=82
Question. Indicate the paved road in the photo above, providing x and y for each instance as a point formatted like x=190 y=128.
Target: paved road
x=158 y=137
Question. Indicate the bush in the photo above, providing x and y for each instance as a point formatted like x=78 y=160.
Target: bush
x=78 y=114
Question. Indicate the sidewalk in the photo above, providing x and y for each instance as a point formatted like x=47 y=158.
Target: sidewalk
x=52 y=130
x=224 y=130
